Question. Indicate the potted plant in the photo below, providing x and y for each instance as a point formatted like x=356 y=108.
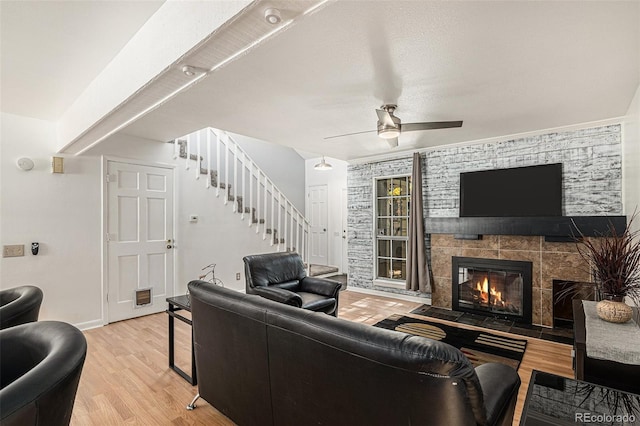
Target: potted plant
x=615 y=265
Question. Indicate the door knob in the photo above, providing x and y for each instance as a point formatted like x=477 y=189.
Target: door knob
x=169 y=246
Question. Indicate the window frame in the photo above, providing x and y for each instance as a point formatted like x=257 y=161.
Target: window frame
x=386 y=281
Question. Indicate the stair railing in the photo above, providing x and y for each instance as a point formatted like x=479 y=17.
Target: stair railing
x=252 y=192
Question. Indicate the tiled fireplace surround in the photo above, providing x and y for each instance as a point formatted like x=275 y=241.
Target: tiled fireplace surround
x=550 y=261
x=592 y=186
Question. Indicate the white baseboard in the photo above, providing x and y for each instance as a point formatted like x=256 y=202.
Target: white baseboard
x=89 y=325
x=424 y=300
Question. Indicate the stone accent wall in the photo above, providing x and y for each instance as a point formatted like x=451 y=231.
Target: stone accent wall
x=559 y=261
x=592 y=184
x=591 y=169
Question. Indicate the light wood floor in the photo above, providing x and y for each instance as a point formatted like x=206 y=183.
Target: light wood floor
x=126 y=378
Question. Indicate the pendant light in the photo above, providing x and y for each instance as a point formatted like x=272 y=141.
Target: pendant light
x=323 y=165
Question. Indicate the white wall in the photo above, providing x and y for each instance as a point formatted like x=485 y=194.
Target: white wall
x=61 y=212
x=631 y=159
x=284 y=166
x=219 y=236
x=336 y=181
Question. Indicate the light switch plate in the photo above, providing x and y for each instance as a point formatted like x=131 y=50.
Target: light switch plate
x=15 y=250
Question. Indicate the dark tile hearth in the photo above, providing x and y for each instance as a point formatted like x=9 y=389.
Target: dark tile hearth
x=559 y=335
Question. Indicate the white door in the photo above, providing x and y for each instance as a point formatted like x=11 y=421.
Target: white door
x=140 y=239
x=318 y=244
x=344 y=211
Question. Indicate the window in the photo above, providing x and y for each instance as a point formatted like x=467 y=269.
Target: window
x=392 y=225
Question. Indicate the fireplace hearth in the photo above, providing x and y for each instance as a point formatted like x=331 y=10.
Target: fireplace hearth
x=492 y=287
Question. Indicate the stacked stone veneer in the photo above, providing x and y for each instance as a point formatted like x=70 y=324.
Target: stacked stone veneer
x=592 y=185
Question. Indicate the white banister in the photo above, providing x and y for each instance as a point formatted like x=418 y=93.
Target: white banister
x=198 y=160
x=188 y=151
x=264 y=207
x=289 y=228
x=208 y=185
x=244 y=174
x=226 y=168
x=273 y=216
x=218 y=177
x=279 y=217
x=235 y=177
x=250 y=204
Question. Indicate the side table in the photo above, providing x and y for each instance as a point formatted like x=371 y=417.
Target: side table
x=607 y=373
x=176 y=304
x=554 y=400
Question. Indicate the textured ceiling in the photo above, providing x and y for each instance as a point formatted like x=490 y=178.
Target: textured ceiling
x=503 y=67
x=51 y=50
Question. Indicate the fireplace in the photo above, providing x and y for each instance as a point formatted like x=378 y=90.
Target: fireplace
x=492 y=287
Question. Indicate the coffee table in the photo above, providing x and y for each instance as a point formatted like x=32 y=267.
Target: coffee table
x=556 y=400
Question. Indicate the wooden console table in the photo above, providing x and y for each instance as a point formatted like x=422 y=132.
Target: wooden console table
x=607 y=373
x=176 y=304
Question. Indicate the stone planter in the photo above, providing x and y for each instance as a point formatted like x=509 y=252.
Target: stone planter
x=613 y=309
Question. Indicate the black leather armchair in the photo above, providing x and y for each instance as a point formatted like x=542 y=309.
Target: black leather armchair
x=39 y=373
x=19 y=305
x=282 y=277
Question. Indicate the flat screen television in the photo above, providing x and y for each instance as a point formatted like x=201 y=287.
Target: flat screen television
x=516 y=192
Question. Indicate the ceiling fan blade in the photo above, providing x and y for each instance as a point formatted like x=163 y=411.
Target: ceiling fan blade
x=392 y=142
x=349 y=134
x=385 y=118
x=410 y=127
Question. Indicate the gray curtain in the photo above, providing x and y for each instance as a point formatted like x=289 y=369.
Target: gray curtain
x=418 y=277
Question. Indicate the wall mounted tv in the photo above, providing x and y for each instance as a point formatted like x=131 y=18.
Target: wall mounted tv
x=515 y=192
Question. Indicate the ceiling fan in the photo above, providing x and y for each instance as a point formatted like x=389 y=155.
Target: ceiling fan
x=390 y=126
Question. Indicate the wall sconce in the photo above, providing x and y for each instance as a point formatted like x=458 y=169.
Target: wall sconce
x=57 y=165
x=25 y=163
x=323 y=165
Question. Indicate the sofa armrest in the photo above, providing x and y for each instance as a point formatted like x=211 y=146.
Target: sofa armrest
x=500 y=384
x=323 y=286
x=279 y=295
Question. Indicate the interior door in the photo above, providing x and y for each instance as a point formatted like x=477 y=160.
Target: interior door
x=318 y=214
x=140 y=239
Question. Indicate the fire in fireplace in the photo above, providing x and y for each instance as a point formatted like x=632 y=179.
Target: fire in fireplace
x=493 y=287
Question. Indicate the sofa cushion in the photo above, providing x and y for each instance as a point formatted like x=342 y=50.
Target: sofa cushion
x=317 y=302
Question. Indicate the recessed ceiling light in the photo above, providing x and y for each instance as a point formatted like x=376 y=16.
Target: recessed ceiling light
x=272 y=16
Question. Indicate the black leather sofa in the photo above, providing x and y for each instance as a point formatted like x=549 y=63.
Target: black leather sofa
x=262 y=362
x=282 y=277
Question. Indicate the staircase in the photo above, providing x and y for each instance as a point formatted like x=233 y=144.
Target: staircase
x=235 y=178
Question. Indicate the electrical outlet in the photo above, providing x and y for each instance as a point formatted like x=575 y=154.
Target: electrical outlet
x=238 y=276
x=13 y=250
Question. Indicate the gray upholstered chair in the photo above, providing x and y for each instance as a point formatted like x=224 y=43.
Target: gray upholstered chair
x=39 y=373
x=19 y=305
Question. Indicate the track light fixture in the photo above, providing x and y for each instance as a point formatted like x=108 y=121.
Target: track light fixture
x=190 y=70
x=272 y=16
